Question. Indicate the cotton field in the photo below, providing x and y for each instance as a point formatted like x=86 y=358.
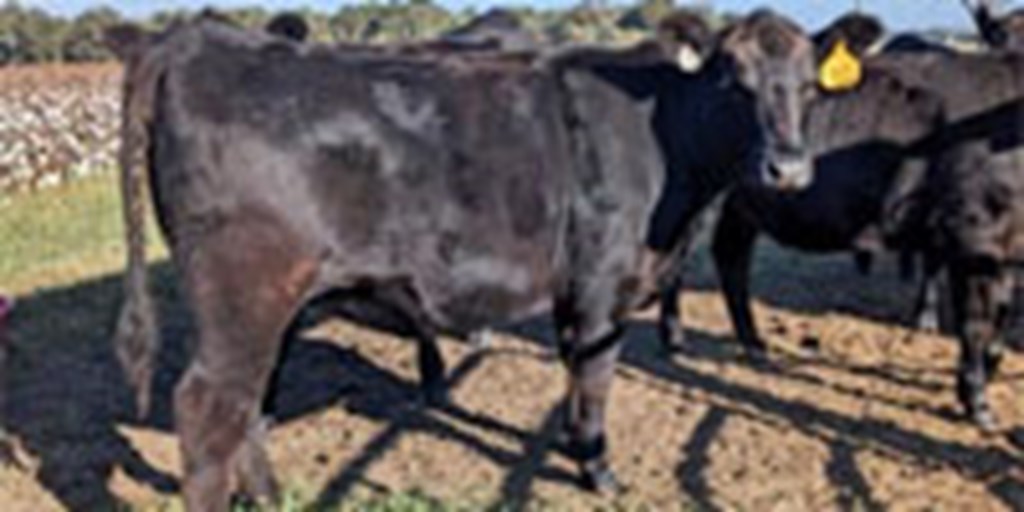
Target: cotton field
x=57 y=123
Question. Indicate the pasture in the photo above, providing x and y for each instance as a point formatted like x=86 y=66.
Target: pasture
x=859 y=413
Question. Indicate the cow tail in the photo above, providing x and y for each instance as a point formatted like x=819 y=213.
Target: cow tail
x=136 y=339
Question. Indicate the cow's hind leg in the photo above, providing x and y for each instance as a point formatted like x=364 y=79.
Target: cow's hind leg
x=929 y=298
x=975 y=309
x=405 y=304
x=245 y=282
x=732 y=249
x=590 y=342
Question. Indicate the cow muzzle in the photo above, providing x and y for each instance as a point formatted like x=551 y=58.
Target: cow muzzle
x=790 y=172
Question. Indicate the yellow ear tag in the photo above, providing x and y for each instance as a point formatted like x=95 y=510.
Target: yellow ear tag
x=841 y=70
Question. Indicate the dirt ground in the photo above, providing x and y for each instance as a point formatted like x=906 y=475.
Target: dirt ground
x=859 y=414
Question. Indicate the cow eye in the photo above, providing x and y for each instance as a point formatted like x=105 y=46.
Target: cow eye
x=809 y=91
x=995 y=203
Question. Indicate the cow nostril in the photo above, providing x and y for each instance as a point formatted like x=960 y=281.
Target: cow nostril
x=973 y=219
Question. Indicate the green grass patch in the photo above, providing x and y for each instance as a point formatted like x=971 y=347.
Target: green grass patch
x=63 y=235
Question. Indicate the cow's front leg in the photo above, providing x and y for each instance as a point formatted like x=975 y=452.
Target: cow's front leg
x=670 y=323
x=975 y=309
x=732 y=249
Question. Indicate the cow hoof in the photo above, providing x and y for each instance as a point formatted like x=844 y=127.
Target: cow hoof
x=993 y=360
x=928 y=322
x=759 y=357
x=8 y=453
x=755 y=350
x=599 y=478
x=985 y=421
x=673 y=338
x=481 y=340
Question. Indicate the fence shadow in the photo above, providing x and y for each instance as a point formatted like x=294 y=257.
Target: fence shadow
x=67 y=402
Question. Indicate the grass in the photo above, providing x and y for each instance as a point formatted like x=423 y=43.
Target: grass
x=63 y=235
x=59 y=237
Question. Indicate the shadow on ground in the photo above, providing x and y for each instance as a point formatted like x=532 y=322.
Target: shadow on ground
x=67 y=400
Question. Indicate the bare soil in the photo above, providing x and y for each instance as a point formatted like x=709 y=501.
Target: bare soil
x=858 y=414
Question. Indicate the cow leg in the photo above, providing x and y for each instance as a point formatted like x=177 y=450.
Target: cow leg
x=908 y=265
x=245 y=283
x=929 y=299
x=974 y=305
x=732 y=249
x=405 y=303
x=670 y=322
x=864 y=260
x=589 y=345
x=1004 y=315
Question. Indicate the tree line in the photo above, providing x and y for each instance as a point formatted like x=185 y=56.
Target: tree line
x=33 y=35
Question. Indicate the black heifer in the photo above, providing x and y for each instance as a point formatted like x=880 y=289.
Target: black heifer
x=866 y=144
x=458 y=192
x=972 y=204
x=869 y=154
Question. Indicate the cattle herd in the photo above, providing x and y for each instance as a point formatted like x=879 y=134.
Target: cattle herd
x=485 y=177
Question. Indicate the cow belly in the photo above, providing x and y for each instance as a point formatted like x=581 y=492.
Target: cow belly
x=812 y=236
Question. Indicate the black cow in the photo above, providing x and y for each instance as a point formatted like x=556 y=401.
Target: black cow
x=971 y=204
x=1002 y=32
x=977 y=221
x=870 y=151
x=457 y=192
x=979 y=99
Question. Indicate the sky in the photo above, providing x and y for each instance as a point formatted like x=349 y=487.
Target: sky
x=898 y=14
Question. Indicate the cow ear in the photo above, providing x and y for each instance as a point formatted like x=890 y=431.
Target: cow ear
x=126 y=41
x=687 y=37
x=860 y=31
x=841 y=70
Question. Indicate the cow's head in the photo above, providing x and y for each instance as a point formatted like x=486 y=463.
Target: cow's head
x=973 y=206
x=289 y=25
x=1012 y=29
x=1003 y=32
x=773 y=61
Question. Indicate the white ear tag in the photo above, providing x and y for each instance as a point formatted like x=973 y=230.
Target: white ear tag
x=689 y=59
